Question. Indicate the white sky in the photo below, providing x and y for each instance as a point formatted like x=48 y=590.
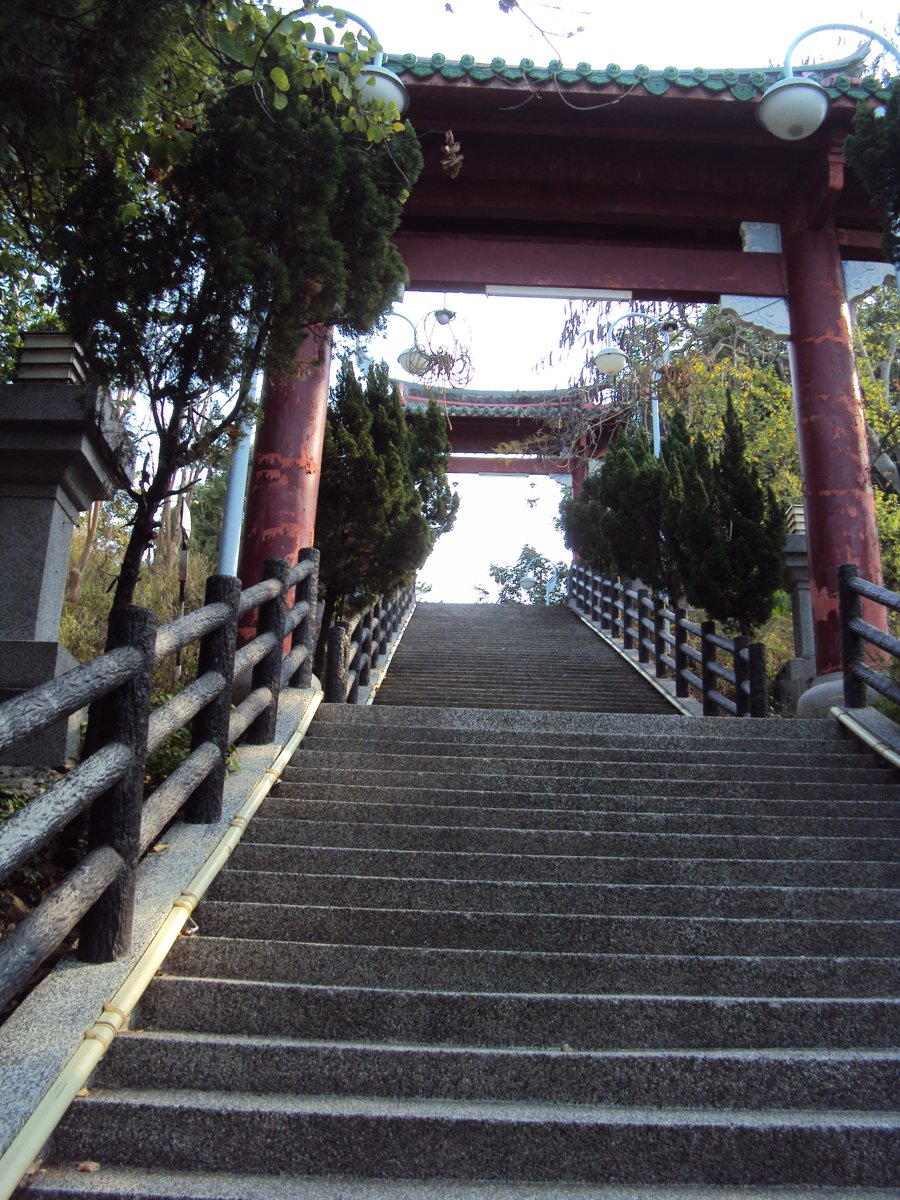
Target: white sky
x=509 y=337
x=689 y=33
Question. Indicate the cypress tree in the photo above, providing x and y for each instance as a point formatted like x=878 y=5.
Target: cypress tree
x=632 y=487
x=429 y=448
x=581 y=518
x=383 y=499
x=686 y=518
x=727 y=529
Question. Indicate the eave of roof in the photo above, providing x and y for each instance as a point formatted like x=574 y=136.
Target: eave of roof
x=746 y=84
x=473 y=403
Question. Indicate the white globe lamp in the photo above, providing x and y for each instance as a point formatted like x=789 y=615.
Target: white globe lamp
x=793 y=108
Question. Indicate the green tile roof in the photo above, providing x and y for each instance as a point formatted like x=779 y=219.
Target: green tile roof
x=473 y=403
x=743 y=85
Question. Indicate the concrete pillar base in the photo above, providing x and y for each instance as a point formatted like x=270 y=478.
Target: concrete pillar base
x=795 y=678
x=825 y=693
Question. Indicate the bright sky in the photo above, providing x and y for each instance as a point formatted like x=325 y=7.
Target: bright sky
x=690 y=33
x=509 y=338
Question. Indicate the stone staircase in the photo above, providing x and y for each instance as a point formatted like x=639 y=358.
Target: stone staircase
x=512 y=656
x=465 y=953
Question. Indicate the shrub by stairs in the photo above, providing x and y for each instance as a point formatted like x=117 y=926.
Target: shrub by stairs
x=467 y=953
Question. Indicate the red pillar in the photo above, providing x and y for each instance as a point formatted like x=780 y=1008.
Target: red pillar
x=579 y=475
x=284 y=477
x=834 y=460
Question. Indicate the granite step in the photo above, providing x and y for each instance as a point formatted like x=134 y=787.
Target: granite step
x=591 y=727
x=856 y=776
x=195 y=1130
x=860 y=1080
x=427 y=968
x=611 y=749
x=124 y=1183
x=653 y=779
x=465 y=930
x=572 y=868
x=611 y=842
x=612 y=703
x=779 y=803
x=548 y=811
x=597 y=899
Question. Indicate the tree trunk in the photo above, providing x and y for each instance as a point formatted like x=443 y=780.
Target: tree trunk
x=77 y=566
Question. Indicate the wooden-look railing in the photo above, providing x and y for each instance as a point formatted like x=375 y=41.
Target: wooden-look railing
x=676 y=646
x=108 y=782
x=857 y=634
x=356 y=647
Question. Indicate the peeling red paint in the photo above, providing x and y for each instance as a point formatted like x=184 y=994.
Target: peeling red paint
x=284 y=481
x=840 y=508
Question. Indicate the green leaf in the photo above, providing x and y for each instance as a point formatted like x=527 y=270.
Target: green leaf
x=279 y=101
x=280 y=79
x=328 y=35
x=245 y=76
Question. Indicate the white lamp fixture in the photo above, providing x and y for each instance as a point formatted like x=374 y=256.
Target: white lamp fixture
x=530 y=578
x=610 y=359
x=378 y=83
x=415 y=361
x=382 y=84
x=438 y=355
x=794 y=107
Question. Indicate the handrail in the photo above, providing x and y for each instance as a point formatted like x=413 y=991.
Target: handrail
x=668 y=639
x=857 y=633
x=34 y=710
x=355 y=647
x=108 y=782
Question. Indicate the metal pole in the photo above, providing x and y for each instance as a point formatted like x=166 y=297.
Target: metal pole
x=654 y=417
x=233 y=519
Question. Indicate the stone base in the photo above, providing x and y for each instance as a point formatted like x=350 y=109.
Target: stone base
x=825 y=693
x=792 y=681
x=24 y=665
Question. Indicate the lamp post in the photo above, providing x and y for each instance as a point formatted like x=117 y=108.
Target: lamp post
x=611 y=359
x=528 y=581
x=378 y=82
x=831 y=437
x=795 y=107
